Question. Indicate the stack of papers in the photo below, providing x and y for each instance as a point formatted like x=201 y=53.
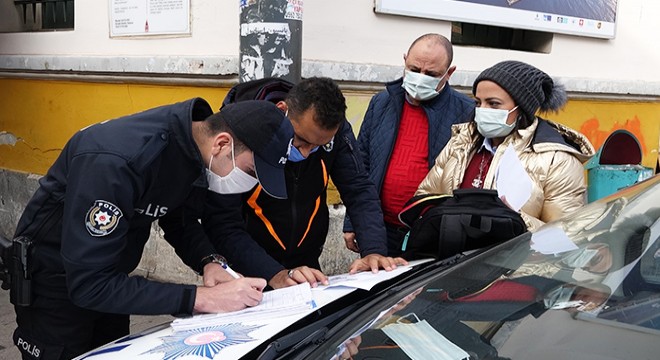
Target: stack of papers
x=298 y=300
x=287 y=301
x=364 y=280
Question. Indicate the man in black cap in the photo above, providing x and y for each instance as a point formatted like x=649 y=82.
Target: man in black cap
x=86 y=226
x=293 y=231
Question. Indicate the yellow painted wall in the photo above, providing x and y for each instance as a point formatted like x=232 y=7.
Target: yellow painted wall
x=43 y=114
x=595 y=119
x=598 y=119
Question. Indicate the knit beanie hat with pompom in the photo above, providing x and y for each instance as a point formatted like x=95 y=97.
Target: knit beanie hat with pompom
x=530 y=88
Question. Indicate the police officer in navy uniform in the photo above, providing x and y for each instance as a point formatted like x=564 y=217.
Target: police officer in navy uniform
x=90 y=218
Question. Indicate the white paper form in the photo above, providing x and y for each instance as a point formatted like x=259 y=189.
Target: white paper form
x=513 y=182
x=366 y=279
x=276 y=303
x=222 y=341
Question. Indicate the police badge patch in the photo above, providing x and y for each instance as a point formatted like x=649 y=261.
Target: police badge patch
x=102 y=218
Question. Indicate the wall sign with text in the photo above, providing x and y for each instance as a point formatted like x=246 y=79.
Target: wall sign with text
x=593 y=18
x=149 y=17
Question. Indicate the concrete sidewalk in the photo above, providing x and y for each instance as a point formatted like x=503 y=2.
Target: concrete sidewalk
x=7 y=325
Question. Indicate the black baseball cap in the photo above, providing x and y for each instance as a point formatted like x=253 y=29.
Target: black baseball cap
x=263 y=128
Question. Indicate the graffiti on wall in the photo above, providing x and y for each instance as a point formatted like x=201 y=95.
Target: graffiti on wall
x=270 y=39
x=592 y=130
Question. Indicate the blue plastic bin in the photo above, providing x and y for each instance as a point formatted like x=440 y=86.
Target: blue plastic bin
x=615 y=166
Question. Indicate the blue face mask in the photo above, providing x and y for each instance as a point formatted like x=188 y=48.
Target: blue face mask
x=296 y=156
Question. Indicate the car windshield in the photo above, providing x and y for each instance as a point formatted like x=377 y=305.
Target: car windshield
x=587 y=286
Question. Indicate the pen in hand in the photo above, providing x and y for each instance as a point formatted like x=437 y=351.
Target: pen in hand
x=231 y=271
x=234 y=274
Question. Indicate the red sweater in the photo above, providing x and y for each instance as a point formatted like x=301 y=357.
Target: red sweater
x=408 y=163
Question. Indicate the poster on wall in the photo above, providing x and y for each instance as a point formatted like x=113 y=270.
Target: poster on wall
x=593 y=18
x=149 y=17
x=271 y=32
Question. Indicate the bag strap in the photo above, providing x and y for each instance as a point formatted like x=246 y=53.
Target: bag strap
x=474 y=229
x=465 y=193
x=418 y=205
x=454 y=242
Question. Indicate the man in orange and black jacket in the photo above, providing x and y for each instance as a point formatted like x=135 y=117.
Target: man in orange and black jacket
x=292 y=231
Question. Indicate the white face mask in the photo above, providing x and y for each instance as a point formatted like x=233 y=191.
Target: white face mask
x=491 y=123
x=420 y=339
x=421 y=87
x=236 y=182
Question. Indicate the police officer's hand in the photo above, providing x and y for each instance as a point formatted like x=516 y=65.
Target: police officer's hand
x=214 y=274
x=298 y=275
x=351 y=244
x=229 y=296
x=374 y=262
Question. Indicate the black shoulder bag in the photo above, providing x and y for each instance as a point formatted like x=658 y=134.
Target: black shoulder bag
x=445 y=225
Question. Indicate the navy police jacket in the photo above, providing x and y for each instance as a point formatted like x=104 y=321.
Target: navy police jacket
x=93 y=211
